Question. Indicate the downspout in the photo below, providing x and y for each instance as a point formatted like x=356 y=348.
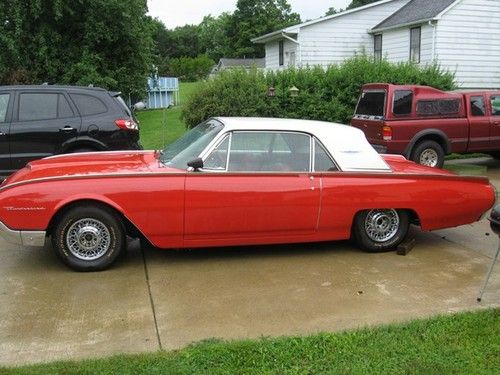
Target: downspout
x=433 y=54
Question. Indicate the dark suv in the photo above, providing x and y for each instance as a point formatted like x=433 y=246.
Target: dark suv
x=39 y=121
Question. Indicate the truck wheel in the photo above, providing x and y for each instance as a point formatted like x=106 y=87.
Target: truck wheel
x=428 y=153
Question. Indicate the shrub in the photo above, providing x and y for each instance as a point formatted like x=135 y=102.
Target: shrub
x=325 y=94
x=190 y=68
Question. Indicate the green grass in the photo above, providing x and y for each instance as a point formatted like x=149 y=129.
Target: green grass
x=465 y=343
x=160 y=127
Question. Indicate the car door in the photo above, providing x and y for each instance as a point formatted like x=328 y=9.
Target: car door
x=480 y=133
x=44 y=120
x=5 y=116
x=255 y=185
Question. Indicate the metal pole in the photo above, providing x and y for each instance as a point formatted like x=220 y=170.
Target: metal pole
x=488 y=275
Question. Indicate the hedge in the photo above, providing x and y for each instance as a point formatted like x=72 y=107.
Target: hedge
x=324 y=94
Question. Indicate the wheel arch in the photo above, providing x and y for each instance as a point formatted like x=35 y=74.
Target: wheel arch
x=435 y=135
x=83 y=142
x=130 y=228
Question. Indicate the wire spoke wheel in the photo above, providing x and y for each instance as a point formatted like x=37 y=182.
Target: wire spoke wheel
x=381 y=225
x=88 y=239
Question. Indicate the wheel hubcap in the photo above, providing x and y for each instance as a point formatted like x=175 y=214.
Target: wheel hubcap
x=381 y=225
x=429 y=157
x=88 y=239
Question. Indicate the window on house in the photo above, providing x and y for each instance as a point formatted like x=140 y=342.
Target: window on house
x=377 y=47
x=477 y=106
x=402 y=104
x=415 y=44
x=281 y=53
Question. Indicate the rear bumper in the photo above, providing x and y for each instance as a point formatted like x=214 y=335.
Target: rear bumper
x=22 y=237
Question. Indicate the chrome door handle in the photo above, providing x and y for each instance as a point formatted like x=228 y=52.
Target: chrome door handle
x=67 y=128
x=2 y=133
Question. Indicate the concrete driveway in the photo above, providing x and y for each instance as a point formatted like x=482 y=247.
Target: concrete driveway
x=165 y=300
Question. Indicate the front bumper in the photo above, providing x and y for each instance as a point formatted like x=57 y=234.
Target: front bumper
x=22 y=237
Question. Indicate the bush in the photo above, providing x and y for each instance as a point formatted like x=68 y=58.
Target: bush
x=325 y=94
x=190 y=68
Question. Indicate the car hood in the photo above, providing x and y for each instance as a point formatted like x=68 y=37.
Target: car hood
x=90 y=163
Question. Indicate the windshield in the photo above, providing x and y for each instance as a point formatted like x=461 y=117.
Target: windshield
x=371 y=103
x=190 y=145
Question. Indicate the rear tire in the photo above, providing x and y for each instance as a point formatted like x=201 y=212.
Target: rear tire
x=428 y=153
x=380 y=230
x=82 y=149
x=89 y=238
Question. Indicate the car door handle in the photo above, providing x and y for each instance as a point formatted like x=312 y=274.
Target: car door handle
x=496 y=123
x=67 y=128
x=2 y=133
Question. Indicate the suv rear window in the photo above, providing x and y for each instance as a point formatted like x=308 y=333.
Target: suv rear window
x=403 y=100
x=123 y=105
x=88 y=105
x=371 y=103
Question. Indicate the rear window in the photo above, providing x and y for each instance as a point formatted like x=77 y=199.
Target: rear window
x=371 y=103
x=123 y=105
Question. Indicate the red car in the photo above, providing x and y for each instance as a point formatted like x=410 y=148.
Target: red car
x=233 y=181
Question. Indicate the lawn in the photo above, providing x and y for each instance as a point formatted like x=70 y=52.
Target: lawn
x=159 y=127
x=464 y=343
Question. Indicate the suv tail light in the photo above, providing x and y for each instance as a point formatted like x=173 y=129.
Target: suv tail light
x=387 y=133
x=126 y=124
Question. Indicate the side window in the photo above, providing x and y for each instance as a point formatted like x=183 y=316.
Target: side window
x=322 y=161
x=415 y=44
x=403 y=100
x=495 y=105
x=64 y=110
x=217 y=160
x=281 y=59
x=477 y=106
x=37 y=106
x=88 y=105
x=4 y=104
x=438 y=107
x=269 y=151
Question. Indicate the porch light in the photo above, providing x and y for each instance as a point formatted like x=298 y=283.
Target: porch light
x=294 y=91
x=271 y=91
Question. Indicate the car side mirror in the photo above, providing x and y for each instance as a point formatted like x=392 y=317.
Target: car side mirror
x=139 y=106
x=196 y=164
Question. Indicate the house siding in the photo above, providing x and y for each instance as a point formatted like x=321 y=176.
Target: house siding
x=272 y=54
x=396 y=44
x=468 y=43
x=334 y=40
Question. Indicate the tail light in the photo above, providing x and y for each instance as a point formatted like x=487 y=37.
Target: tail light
x=386 y=133
x=126 y=124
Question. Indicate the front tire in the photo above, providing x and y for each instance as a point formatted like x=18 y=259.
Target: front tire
x=428 y=153
x=89 y=238
x=380 y=229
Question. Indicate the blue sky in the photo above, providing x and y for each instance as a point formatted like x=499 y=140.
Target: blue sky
x=178 y=13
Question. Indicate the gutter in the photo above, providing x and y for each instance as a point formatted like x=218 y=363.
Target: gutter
x=419 y=22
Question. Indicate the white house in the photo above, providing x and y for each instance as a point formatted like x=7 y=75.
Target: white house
x=463 y=36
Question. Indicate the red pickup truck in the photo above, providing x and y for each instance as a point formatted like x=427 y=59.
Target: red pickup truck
x=423 y=123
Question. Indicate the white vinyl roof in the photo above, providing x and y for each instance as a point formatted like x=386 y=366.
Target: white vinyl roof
x=347 y=145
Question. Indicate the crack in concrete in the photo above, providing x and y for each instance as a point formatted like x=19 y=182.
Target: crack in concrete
x=153 y=310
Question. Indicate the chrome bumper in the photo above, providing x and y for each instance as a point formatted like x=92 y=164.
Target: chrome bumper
x=22 y=237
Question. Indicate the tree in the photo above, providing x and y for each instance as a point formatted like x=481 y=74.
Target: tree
x=332 y=10
x=101 y=42
x=359 y=3
x=214 y=39
x=257 y=17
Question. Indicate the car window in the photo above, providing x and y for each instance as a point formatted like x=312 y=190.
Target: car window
x=477 y=106
x=64 y=110
x=37 y=106
x=322 y=161
x=4 y=104
x=88 y=105
x=495 y=105
x=257 y=151
x=217 y=159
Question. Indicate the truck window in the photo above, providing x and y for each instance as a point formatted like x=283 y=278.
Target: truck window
x=438 y=107
x=477 y=106
x=371 y=103
x=495 y=105
x=403 y=100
